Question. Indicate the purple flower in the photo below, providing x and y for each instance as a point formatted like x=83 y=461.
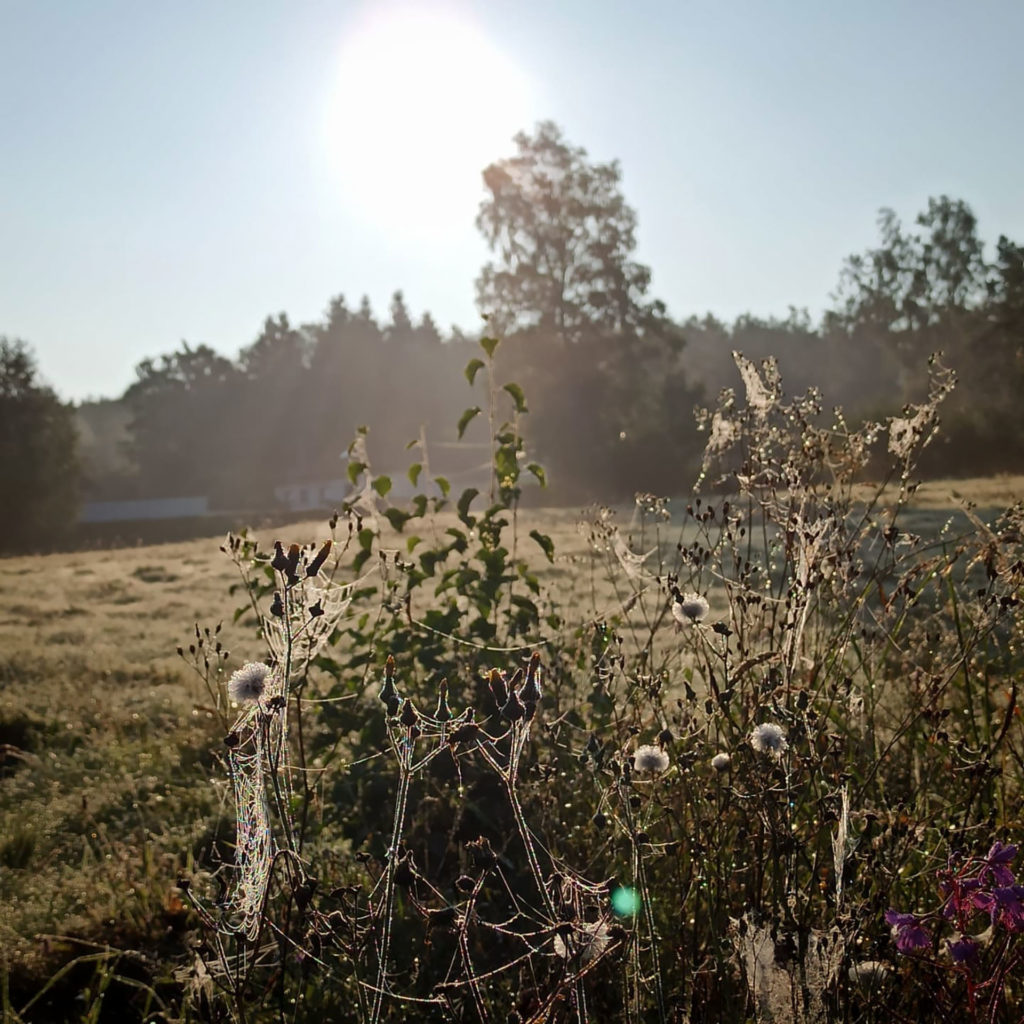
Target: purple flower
x=908 y=931
x=972 y=896
x=1008 y=907
x=997 y=864
x=963 y=950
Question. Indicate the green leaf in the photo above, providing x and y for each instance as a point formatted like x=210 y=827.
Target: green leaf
x=464 y=502
x=545 y=542
x=413 y=472
x=489 y=345
x=538 y=472
x=527 y=606
x=366 y=539
x=382 y=485
x=355 y=467
x=442 y=483
x=466 y=417
x=419 y=504
x=517 y=396
x=465 y=578
x=412 y=542
x=472 y=367
x=397 y=518
x=460 y=543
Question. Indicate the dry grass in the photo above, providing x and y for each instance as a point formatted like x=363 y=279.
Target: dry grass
x=133 y=606
x=105 y=731
x=985 y=492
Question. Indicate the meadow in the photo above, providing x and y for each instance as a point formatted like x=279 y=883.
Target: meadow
x=671 y=761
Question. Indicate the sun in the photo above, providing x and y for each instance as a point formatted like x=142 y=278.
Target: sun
x=422 y=102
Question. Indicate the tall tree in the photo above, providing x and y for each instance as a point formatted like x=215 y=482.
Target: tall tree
x=38 y=461
x=609 y=389
x=564 y=238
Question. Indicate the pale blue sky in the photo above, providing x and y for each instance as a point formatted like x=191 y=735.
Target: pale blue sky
x=166 y=174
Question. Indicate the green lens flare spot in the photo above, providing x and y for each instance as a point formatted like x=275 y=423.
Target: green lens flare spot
x=625 y=901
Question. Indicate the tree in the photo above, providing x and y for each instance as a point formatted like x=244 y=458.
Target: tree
x=613 y=409
x=915 y=287
x=38 y=458
x=187 y=429
x=931 y=290
x=400 y=331
x=564 y=237
x=278 y=355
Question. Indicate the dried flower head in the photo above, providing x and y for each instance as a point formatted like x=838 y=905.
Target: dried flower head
x=721 y=762
x=650 y=759
x=689 y=608
x=249 y=683
x=769 y=738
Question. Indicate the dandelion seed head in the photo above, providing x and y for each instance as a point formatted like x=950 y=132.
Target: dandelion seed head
x=249 y=683
x=769 y=738
x=720 y=762
x=650 y=759
x=689 y=608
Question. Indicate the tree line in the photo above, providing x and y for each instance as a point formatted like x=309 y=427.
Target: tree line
x=611 y=379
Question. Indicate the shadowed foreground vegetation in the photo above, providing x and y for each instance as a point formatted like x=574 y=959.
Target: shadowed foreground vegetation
x=670 y=762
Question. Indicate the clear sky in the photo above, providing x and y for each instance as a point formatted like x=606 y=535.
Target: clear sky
x=180 y=169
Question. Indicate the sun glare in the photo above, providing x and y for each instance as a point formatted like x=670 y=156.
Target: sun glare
x=423 y=101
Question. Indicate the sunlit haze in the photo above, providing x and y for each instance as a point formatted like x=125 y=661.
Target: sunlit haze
x=181 y=171
x=423 y=101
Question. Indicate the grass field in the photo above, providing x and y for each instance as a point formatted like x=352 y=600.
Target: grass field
x=108 y=739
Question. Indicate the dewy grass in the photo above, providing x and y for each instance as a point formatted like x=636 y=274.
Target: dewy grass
x=678 y=766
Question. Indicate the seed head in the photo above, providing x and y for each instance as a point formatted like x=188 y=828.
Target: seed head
x=650 y=759
x=689 y=608
x=720 y=762
x=769 y=738
x=250 y=682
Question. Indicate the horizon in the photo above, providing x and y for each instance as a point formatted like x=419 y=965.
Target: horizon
x=180 y=175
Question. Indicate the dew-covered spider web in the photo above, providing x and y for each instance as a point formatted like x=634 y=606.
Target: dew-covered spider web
x=253 y=761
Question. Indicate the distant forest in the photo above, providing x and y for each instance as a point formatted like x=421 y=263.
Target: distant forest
x=611 y=380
